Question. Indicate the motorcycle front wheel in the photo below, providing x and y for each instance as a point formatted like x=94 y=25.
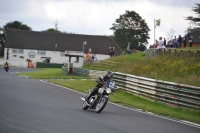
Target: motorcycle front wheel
x=102 y=104
x=84 y=106
x=6 y=68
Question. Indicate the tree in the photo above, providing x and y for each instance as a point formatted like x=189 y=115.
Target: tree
x=170 y=34
x=130 y=27
x=195 y=20
x=52 y=30
x=16 y=25
x=2 y=41
x=11 y=25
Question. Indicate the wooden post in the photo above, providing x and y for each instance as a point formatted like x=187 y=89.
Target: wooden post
x=197 y=56
x=175 y=52
x=188 y=54
x=181 y=54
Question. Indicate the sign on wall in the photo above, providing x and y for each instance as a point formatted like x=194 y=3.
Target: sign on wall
x=31 y=54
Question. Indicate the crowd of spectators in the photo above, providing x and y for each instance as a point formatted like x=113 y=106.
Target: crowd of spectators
x=175 y=42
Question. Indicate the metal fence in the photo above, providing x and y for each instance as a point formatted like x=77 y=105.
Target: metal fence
x=81 y=71
x=173 y=53
x=169 y=93
x=91 y=73
x=64 y=70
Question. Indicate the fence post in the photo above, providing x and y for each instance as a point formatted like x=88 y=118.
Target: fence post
x=165 y=52
x=175 y=53
x=197 y=56
x=160 y=52
x=188 y=54
x=181 y=54
x=153 y=52
x=147 y=53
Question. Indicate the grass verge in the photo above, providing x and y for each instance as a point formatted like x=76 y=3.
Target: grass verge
x=130 y=100
x=50 y=73
x=181 y=71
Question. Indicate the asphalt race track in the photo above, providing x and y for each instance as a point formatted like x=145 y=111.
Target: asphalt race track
x=32 y=106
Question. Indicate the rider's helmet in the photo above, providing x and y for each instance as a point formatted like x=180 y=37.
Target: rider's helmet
x=109 y=74
x=100 y=80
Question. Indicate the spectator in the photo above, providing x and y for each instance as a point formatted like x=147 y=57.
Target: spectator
x=128 y=49
x=184 y=41
x=179 y=41
x=31 y=64
x=156 y=45
x=111 y=51
x=88 y=57
x=164 y=42
x=170 y=44
x=160 y=44
x=175 y=42
x=191 y=41
x=92 y=58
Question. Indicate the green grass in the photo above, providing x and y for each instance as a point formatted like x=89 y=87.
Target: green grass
x=88 y=66
x=128 y=58
x=50 y=73
x=182 y=71
x=121 y=60
x=130 y=100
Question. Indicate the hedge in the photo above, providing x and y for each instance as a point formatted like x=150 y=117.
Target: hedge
x=48 y=65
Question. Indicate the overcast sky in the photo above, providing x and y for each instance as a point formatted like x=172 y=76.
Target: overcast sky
x=95 y=17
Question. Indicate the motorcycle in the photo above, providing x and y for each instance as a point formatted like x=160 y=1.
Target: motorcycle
x=6 y=67
x=99 y=101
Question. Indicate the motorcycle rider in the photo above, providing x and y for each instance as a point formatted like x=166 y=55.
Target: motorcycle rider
x=100 y=82
x=6 y=66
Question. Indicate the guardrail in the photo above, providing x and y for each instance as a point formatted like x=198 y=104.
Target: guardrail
x=86 y=72
x=81 y=71
x=169 y=93
x=64 y=70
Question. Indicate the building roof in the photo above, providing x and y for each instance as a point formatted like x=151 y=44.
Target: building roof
x=22 y=39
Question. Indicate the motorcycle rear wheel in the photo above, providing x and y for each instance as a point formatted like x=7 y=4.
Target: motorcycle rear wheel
x=102 y=104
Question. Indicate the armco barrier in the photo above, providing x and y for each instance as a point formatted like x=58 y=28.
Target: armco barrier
x=81 y=71
x=172 y=94
x=91 y=73
x=138 y=85
x=64 y=70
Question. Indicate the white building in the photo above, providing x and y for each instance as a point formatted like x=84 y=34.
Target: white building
x=21 y=45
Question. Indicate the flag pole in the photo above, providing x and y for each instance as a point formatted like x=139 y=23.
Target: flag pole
x=154 y=33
